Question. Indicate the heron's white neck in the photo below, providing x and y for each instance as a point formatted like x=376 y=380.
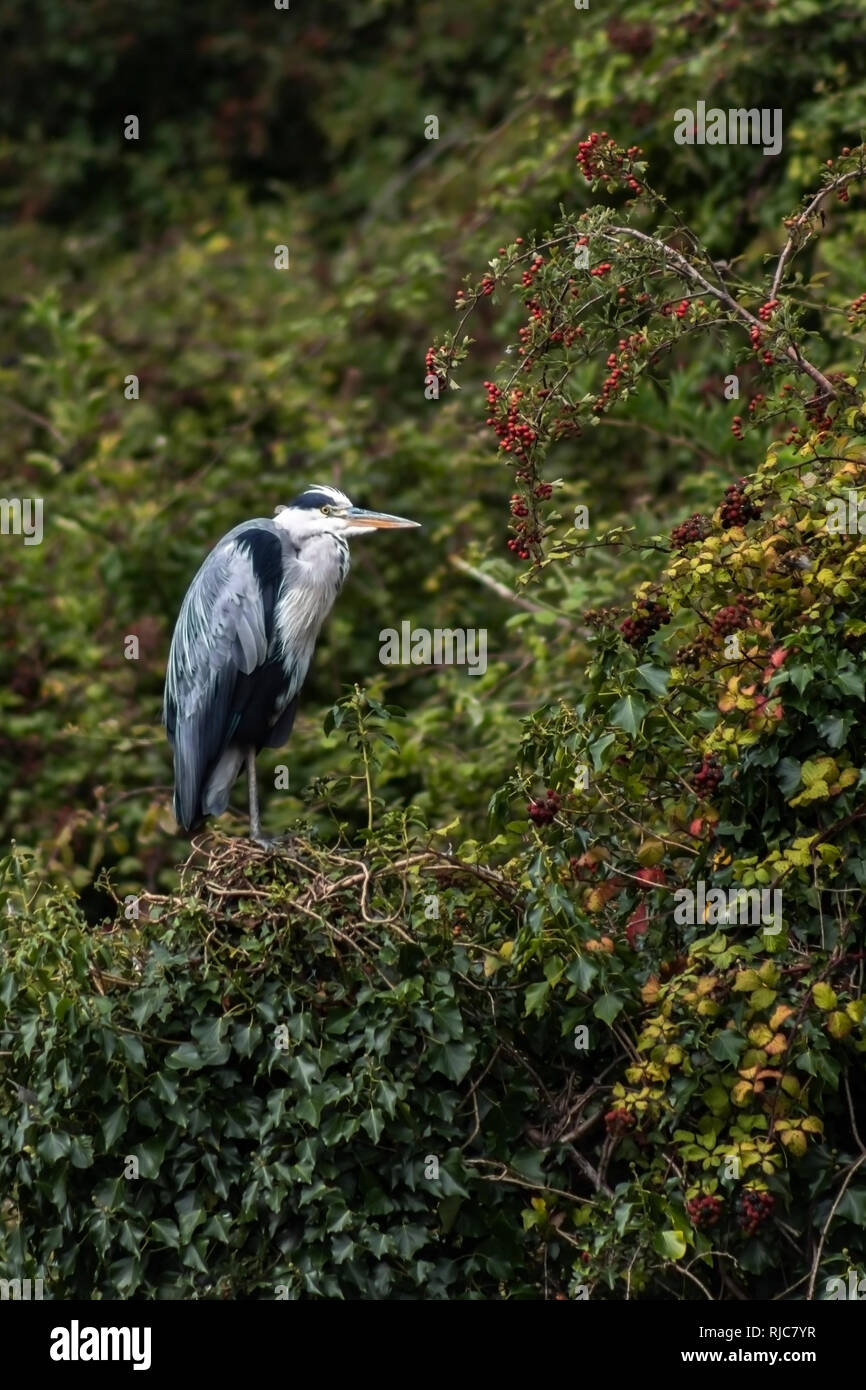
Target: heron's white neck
x=312 y=579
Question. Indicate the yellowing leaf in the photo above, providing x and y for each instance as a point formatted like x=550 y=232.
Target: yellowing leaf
x=824 y=996
x=838 y=1024
x=762 y=998
x=746 y=980
x=796 y=1141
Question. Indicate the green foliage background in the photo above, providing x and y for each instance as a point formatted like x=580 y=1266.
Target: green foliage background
x=261 y=127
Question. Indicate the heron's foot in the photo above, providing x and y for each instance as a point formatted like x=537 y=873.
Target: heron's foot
x=276 y=842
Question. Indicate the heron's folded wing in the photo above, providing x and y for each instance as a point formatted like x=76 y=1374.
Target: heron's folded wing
x=223 y=631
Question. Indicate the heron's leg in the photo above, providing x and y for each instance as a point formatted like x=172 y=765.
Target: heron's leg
x=255 y=823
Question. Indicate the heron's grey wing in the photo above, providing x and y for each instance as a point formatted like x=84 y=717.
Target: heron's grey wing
x=223 y=630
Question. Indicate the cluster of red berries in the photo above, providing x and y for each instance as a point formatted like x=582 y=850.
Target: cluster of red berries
x=565 y=425
x=587 y=153
x=518 y=506
x=532 y=270
x=680 y=310
x=704 y=1211
x=488 y=284
x=737 y=427
x=765 y=313
x=737 y=508
x=732 y=617
x=430 y=368
x=591 y=156
x=566 y=335
x=816 y=412
x=754 y=1209
x=609 y=388
x=520 y=544
x=756 y=402
x=857 y=307
x=646 y=620
x=696 y=528
x=543 y=811
x=841 y=193
x=601 y=269
x=619 y=1122
x=619 y=362
x=706 y=776
x=756 y=339
x=515 y=437
x=544 y=491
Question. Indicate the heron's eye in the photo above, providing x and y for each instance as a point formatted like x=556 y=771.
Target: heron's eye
x=326 y=511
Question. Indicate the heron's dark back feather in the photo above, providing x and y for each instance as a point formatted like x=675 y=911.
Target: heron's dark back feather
x=240 y=652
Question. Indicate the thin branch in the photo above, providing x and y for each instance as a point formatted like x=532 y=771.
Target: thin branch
x=687 y=270
x=503 y=592
x=842 y=1190
x=793 y=243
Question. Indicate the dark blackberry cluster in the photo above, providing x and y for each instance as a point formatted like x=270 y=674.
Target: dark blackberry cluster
x=704 y=1210
x=598 y=618
x=706 y=776
x=543 y=811
x=694 y=529
x=754 y=1209
x=647 y=618
x=619 y=1122
x=732 y=617
x=737 y=508
x=693 y=653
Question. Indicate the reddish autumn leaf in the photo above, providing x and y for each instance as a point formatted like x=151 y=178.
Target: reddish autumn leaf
x=637 y=925
x=650 y=876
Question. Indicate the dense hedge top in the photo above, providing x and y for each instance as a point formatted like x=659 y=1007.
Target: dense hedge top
x=275 y=1084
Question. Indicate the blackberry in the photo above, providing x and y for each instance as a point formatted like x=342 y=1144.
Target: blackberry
x=754 y=1209
x=706 y=776
x=619 y=1122
x=543 y=811
x=704 y=1210
x=696 y=528
x=737 y=508
x=693 y=653
x=646 y=619
x=733 y=617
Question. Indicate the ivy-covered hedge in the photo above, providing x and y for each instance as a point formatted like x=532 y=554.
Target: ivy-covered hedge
x=278 y=1084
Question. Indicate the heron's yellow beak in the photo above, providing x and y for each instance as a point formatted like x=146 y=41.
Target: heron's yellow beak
x=378 y=520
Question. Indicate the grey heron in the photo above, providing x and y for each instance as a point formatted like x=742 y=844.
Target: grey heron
x=244 y=640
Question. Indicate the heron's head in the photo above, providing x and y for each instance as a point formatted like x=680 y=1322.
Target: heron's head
x=320 y=510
